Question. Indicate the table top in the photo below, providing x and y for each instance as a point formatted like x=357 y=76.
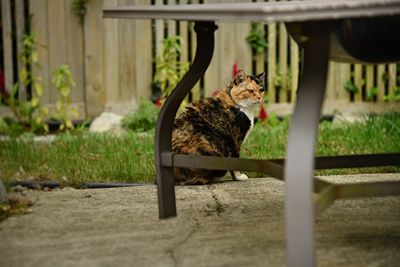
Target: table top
x=293 y=11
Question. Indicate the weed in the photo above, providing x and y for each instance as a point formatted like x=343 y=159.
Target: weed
x=256 y=38
x=62 y=79
x=169 y=70
x=17 y=206
x=142 y=119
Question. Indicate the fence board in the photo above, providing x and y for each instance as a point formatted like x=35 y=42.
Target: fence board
x=243 y=49
x=260 y=57
x=283 y=45
x=369 y=78
x=94 y=91
x=344 y=77
x=20 y=32
x=183 y=33
x=171 y=24
x=142 y=57
x=330 y=90
x=159 y=32
x=358 y=82
x=271 y=62
x=392 y=79
x=260 y=62
x=57 y=39
x=111 y=58
x=39 y=24
x=196 y=90
x=337 y=80
x=212 y=76
x=7 y=44
x=380 y=82
x=74 y=51
x=126 y=46
x=227 y=50
x=294 y=69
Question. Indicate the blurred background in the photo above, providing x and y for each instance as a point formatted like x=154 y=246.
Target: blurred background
x=111 y=64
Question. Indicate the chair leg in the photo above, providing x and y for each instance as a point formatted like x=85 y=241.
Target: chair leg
x=299 y=204
x=164 y=176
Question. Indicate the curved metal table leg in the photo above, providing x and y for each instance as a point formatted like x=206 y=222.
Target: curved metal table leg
x=165 y=179
x=299 y=204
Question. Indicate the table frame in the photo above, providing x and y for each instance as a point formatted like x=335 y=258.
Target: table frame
x=300 y=163
x=305 y=195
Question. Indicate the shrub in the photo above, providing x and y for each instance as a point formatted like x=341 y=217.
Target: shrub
x=142 y=119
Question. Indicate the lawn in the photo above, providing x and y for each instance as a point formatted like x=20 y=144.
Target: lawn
x=75 y=159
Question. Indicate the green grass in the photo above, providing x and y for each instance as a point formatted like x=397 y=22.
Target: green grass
x=377 y=134
x=85 y=157
x=77 y=159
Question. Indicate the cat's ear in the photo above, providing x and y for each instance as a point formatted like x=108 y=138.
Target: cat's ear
x=261 y=77
x=240 y=77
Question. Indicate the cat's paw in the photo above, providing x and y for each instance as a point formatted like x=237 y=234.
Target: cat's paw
x=240 y=176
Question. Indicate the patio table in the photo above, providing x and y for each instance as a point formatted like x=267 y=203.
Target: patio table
x=324 y=30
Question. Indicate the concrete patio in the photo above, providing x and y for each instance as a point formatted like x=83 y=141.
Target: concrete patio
x=225 y=224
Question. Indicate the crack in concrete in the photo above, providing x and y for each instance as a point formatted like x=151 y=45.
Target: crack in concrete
x=172 y=251
x=219 y=208
x=171 y=254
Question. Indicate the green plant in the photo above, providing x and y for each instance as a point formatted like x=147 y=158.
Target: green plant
x=278 y=78
x=80 y=9
x=393 y=96
x=256 y=38
x=350 y=87
x=4 y=128
x=62 y=79
x=273 y=120
x=169 y=70
x=371 y=93
x=396 y=93
x=30 y=114
x=142 y=119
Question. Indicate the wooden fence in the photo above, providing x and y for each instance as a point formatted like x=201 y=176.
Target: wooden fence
x=112 y=60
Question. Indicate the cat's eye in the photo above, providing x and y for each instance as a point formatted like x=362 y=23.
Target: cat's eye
x=250 y=91
x=261 y=90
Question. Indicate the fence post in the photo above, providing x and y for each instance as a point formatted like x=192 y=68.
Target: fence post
x=20 y=32
x=358 y=82
x=380 y=82
x=93 y=50
x=271 y=62
x=392 y=79
x=283 y=46
x=7 y=44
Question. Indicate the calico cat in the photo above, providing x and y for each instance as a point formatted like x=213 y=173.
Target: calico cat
x=217 y=126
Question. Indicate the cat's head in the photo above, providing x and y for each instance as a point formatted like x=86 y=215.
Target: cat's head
x=246 y=90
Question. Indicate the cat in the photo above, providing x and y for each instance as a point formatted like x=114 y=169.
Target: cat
x=217 y=126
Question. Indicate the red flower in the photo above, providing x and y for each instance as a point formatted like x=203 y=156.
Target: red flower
x=263 y=114
x=235 y=70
